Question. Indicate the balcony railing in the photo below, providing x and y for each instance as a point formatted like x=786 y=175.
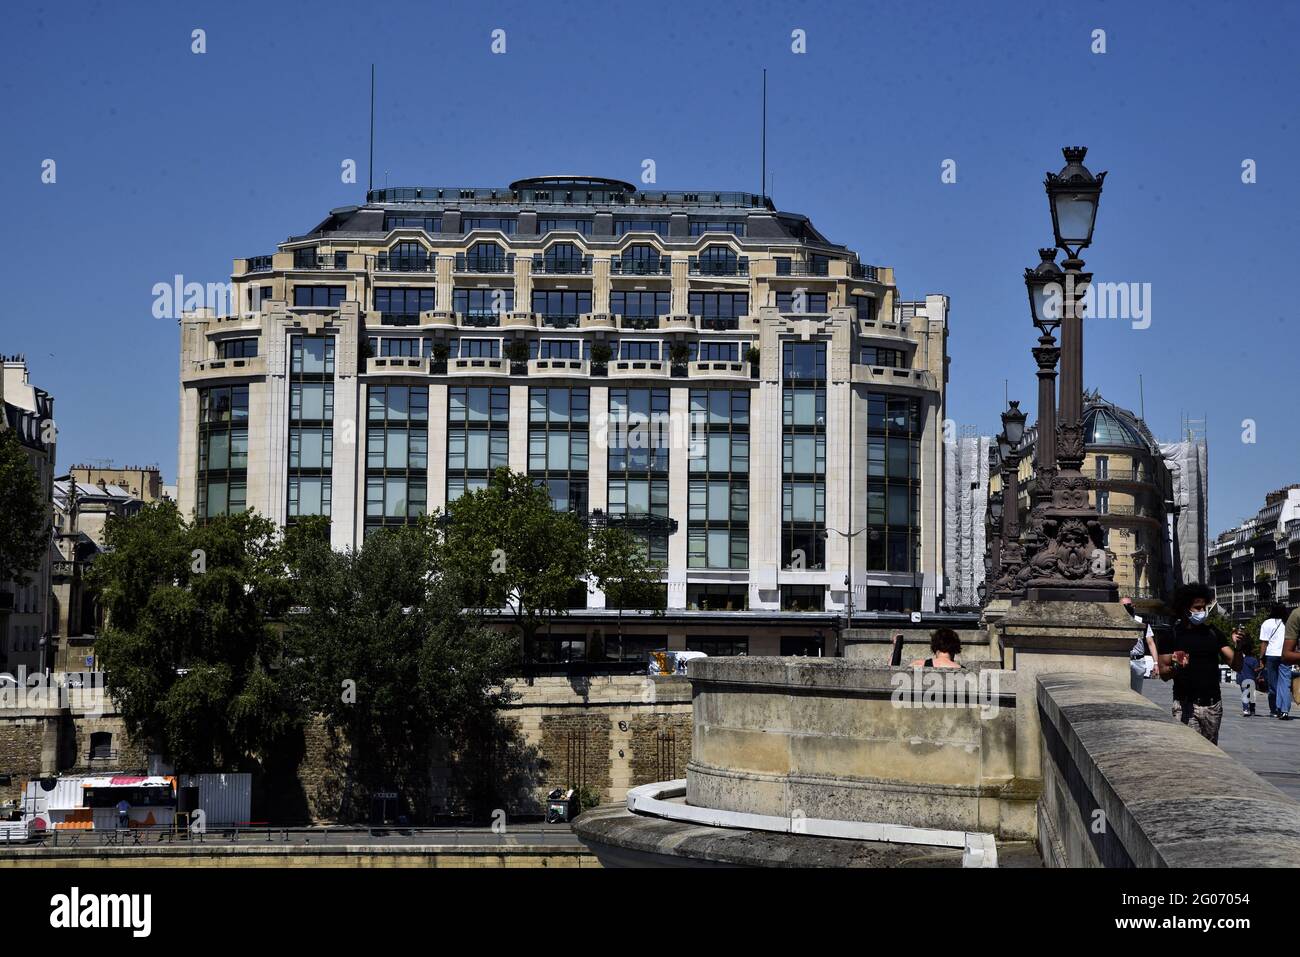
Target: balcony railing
x=387 y=263
x=259 y=264
x=709 y=267
x=399 y=318
x=314 y=260
x=640 y=267
x=479 y=320
x=720 y=323
x=560 y=321
x=562 y=267
x=863 y=271
x=1120 y=475
x=788 y=267
x=483 y=264
x=638 y=322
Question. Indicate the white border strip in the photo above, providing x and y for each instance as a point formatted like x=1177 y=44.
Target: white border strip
x=978 y=849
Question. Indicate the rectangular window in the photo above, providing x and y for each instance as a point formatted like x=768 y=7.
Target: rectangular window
x=552 y=225
x=659 y=226
x=558 y=444
x=236 y=348
x=889 y=358
x=715 y=597
x=700 y=227
x=483 y=303
x=404 y=302
x=719 y=305
x=561 y=304
x=319 y=297
x=893 y=482
x=507 y=225
x=430 y=224
x=804 y=361
x=801 y=302
x=803 y=598
x=719 y=647
x=640 y=305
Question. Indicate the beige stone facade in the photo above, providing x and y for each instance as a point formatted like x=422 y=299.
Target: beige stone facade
x=430 y=289
x=25 y=624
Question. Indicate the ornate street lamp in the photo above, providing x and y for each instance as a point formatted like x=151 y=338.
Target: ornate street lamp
x=1011 y=550
x=1013 y=425
x=1046 y=286
x=1074 y=194
x=1069 y=562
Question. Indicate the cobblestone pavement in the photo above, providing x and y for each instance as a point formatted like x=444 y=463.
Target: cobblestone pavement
x=1269 y=747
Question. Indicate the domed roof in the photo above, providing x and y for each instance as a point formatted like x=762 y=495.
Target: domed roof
x=1107 y=424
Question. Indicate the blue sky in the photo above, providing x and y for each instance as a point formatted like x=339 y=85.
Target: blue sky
x=172 y=162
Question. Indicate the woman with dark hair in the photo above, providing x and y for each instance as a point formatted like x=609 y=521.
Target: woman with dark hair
x=1272 y=637
x=945 y=647
x=1190 y=652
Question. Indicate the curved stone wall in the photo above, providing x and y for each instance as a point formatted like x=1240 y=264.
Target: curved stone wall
x=838 y=739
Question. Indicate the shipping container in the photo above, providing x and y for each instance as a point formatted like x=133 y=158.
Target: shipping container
x=225 y=799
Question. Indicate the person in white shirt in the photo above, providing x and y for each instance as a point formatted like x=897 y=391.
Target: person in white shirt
x=1272 y=635
x=1142 y=656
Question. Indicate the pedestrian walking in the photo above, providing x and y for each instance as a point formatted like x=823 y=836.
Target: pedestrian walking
x=1142 y=655
x=1247 y=675
x=1190 y=652
x=1272 y=639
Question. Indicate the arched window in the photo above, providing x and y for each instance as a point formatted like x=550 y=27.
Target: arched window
x=718 y=261
x=563 y=258
x=408 y=257
x=486 y=257
x=642 y=260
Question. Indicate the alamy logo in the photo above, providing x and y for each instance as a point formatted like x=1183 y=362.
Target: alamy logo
x=133 y=911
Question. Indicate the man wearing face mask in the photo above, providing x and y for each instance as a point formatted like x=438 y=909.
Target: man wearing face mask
x=1190 y=652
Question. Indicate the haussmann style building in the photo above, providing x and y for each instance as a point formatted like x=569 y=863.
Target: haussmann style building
x=387 y=360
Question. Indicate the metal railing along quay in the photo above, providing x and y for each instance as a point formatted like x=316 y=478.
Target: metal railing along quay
x=327 y=836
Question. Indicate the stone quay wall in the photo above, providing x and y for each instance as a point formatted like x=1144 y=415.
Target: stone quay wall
x=842 y=740
x=1106 y=803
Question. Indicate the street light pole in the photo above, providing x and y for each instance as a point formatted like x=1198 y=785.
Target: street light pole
x=1070 y=563
x=848 y=579
x=1011 y=551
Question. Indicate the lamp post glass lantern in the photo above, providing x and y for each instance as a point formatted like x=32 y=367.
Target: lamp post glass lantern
x=1074 y=194
x=1013 y=424
x=1045 y=285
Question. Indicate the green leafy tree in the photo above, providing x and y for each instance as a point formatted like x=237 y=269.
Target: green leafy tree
x=619 y=565
x=24 y=515
x=504 y=546
x=383 y=650
x=193 y=644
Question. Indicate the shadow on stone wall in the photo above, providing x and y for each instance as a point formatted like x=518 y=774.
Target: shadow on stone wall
x=496 y=769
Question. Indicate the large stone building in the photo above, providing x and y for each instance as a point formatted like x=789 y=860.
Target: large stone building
x=1257 y=563
x=24 y=608
x=385 y=361
x=82 y=509
x=1151 y=499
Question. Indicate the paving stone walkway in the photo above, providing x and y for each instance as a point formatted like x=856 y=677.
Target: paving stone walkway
x=1269 y=747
